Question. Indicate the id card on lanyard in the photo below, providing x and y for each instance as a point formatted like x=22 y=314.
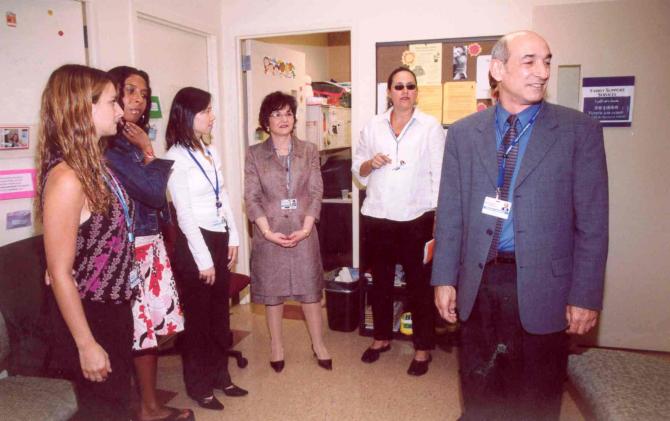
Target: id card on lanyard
x=289 y=203
x=221 y=220
x=495 y=206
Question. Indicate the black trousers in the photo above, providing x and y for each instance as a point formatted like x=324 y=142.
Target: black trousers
x=507 y=373
x=392 y=242
x=112 y=328
x=206 y=336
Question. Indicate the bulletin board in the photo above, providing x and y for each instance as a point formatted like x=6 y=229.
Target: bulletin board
x=452 y=74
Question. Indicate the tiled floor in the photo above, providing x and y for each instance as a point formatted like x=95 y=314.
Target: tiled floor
x=352 y=391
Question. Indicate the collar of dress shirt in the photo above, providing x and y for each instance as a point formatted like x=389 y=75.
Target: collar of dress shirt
x=523 y=117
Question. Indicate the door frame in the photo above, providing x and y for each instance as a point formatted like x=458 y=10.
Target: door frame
x=245 y=235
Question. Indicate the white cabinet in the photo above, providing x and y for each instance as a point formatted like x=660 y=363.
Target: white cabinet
x=328 y=126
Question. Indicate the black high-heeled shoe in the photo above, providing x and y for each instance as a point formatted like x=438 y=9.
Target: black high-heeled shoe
x=232 y=390
x=371 y=354
x=277 y=366
x=209 y=402
x=326 y=363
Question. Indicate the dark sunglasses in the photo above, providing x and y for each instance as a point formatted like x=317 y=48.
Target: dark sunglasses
x=400 y=86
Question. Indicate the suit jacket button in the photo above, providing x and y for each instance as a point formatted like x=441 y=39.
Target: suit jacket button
x=481 y=266
x=489 y=231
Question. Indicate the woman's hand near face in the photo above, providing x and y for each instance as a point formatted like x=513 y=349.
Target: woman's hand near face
x=94 y=362
x=208 y=276
x=138 y=137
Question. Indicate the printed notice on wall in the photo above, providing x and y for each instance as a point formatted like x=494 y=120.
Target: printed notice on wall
x=609 y=99
x=15 y=184
x=459 y=101
x=425 y=60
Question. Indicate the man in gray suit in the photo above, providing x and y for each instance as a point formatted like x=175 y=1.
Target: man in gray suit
x=521 y=238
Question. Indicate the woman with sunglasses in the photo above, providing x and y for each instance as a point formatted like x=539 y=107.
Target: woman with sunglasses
x=399 y=160
x=282 y=192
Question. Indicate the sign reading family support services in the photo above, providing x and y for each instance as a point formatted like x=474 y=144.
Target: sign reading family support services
x=609 y=99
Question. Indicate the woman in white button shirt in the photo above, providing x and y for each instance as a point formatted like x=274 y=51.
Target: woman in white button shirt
x=205 y=249
x=399 y=160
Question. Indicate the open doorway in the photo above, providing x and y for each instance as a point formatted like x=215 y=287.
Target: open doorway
x=315 y=68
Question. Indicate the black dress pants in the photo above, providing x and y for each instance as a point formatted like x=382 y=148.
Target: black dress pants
x=392 y=242
x=507 y=373
x=112 y=328
x=206 y=336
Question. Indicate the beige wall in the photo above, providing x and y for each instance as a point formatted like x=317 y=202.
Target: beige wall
x=624 y=39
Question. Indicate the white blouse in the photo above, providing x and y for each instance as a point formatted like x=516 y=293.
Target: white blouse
x=194 y=199
x=407 y=187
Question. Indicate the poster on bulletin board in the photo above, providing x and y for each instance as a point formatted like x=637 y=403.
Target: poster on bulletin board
x=609 y=99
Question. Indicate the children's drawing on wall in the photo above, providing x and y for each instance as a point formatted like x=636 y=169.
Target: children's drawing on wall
x=14 y=137
x=277 y=67
x=460 y=62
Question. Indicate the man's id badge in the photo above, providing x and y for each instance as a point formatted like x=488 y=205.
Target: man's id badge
x=289 y=204
x=496 y=207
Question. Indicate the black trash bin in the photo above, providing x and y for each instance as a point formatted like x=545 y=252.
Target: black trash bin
x=342 y=305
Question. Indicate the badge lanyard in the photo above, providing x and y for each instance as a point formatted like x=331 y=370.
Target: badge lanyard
x=503 y=161
x=397 y=142
x=288 y=167
x=116 y=189
x=216 y=175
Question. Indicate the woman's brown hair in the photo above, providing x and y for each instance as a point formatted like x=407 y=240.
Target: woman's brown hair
x=67 y=132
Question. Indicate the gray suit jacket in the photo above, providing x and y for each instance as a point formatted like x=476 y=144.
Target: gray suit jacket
x=560 y=211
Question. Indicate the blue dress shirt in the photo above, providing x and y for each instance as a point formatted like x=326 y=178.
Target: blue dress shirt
x=506 y=243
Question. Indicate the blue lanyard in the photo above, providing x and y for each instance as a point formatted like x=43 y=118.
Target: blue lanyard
x=216 y=174
x=116 y=189
x=503 y=161
x=288 y=167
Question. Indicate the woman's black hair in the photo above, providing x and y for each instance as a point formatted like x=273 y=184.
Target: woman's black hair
x=119 y=74
x=397 y=70
x=274 y=102
x=186 y=104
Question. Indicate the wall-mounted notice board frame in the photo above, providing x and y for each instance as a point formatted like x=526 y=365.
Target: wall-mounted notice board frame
x=452 y=74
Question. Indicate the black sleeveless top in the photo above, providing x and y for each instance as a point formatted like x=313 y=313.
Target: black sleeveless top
x=104 y=256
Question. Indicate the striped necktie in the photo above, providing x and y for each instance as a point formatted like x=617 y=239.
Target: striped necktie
x=510 y=164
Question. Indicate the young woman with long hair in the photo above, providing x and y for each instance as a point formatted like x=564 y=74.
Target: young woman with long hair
x=87 y=218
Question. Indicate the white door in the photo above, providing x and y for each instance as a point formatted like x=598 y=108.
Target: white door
x=273 y=68
x=174 y=58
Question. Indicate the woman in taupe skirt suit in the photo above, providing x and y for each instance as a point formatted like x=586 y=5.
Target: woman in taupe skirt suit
x=282 y=191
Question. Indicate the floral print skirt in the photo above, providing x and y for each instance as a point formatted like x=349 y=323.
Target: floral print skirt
x=156 y=308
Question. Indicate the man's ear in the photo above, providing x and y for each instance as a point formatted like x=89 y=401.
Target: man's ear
x=497 y=69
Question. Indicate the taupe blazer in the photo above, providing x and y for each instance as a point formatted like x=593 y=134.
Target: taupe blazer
x=275 y=270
